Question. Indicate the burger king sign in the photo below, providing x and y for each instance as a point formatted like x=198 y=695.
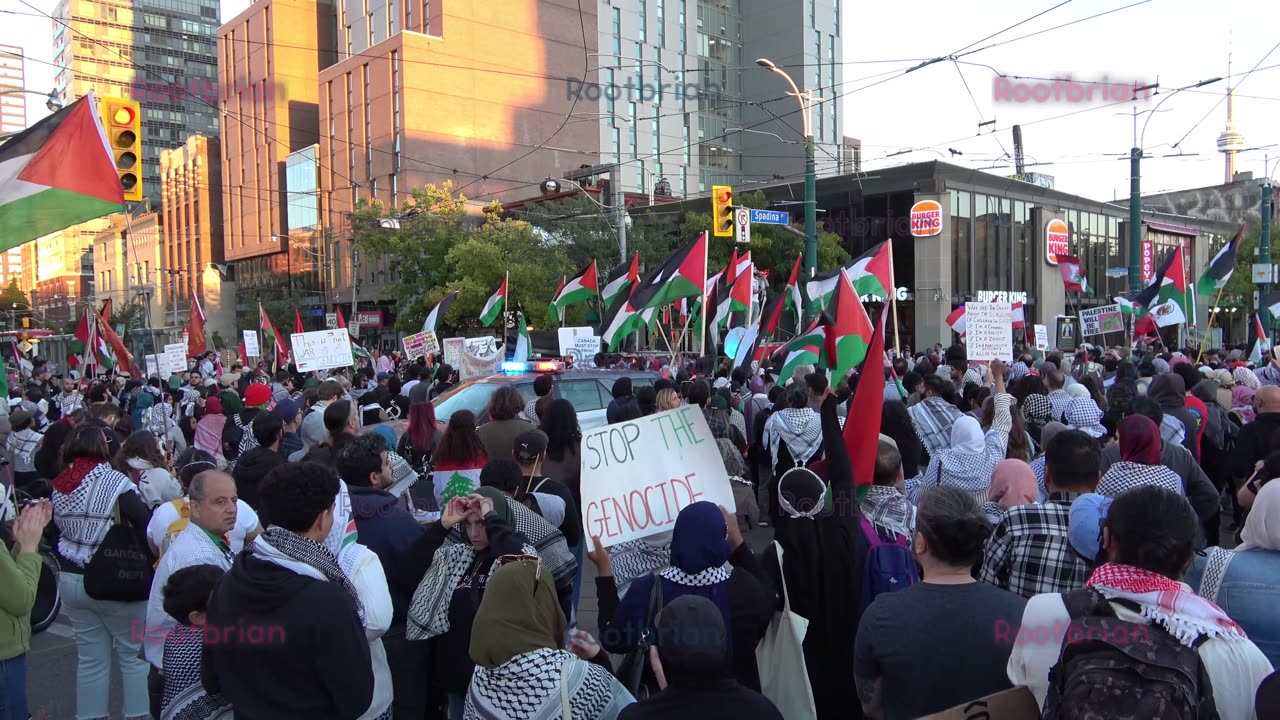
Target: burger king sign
x=926 y=219
x=1056 y=241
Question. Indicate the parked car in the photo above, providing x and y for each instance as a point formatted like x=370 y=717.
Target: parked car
x=590 y=391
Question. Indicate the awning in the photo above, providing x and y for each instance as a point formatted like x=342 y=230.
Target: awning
x=1175 y=229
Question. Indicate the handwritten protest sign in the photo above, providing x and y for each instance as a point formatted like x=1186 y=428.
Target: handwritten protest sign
x=174 y=359
x=453 y=350
x=421 y=345
x=482 y=347
x=1042 y=337
x=989 y=330
x=322 y=349
x=251 y=344
x=638 y=475
x=1101 y=320
x=585 y=349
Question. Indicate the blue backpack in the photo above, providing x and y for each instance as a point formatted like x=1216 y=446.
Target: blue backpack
x=889 y=565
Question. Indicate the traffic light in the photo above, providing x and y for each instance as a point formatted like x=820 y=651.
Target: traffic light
x=722 y=210
x=122 y=119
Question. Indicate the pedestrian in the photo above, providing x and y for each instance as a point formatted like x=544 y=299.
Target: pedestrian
x=903 y=663
x=499 y=434
x=418 y=442
x=1139 y=464
x=86 y=496
x=313 y=431
x=1149 y=538
x=290 y=412
x=186 y=598
x=304 y=651
x=142 y=458
x=973 y=455
x=934 y=415
x=542 y=386
x=458 y=458
x=171 y=518
x=258 y=461
x=454 y=579
x=1013 y=483
x=19 y=582
x=624 y=405
x=1168 y=390
x=793 y=435
x=22 y=444
x=341 y=423
x=518 y=643
x=209 y=427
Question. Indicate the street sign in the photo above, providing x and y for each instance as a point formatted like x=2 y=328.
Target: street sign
x=1262 y=273
x=742 y=225
x=353 y=328
x=331 y=321
x=24 y=346
x=770 y=217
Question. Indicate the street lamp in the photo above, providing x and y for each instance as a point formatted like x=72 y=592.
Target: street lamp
x=51 y=102
x=810 y=178
x=1135 y=182
x=762 y=132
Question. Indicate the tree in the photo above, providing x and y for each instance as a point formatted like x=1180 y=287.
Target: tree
x=12 y=298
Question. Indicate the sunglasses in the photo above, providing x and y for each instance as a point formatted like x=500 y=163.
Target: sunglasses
x=507 y=559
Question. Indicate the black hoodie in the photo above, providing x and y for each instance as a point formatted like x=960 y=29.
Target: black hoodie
x=250 y=470
x=1170 y=393
x=279 y=644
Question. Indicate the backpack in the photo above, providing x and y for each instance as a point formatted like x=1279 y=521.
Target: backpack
x=1118 y=669
x=889 y=565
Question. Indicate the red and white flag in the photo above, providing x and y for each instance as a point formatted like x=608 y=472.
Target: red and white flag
x=957 y=320
x=1019 y=316
x=1073 y=273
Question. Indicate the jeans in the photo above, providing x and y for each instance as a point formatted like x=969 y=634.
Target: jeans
x=457 y=706
x=13 y=688
x=104 y=628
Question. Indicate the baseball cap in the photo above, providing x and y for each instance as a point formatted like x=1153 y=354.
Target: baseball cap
x=21 y=415
x=528 y=446
x=288 y=409
x=257 y=394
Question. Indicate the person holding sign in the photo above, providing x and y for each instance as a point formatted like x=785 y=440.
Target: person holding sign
x=708 y=559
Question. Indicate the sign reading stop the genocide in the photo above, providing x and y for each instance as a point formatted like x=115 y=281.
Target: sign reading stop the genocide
x=1056 y=240
x=926 y=219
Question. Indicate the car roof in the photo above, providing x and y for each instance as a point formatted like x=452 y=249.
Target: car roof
x=585 y=374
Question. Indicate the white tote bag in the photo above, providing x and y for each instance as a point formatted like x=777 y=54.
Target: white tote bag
x=784 y=679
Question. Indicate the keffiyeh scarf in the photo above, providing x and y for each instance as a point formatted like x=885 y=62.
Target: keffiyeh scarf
x=1083 y=414
x=547 y=540
x=1124 y=476
x=890 y=509
x=84 y=509
x=800 y=429
x=1246 y=377
x=933 y=418
x=637 y=558
x=305 y=557
x=1037 y=410
x=184 y=695
x=710 y=576
x=1168 y=603
x=530 y=686
x=429 y=610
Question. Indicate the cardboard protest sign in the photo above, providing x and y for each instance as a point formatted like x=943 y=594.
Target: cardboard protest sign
x=322 y=349
x=420 y=345
x=1042 y=337
x=1101 y=320
x=989 y=330
x=453 y=351
x=638 y=475
x=251 y=344
x=1012 y=704
x=173 y=360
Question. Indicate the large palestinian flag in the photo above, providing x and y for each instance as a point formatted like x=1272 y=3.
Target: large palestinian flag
x=496 y=303
x=621 y=281
x=868 y=272
x=437 y=312
x=621 y=321
x=581 y=288
x=848 y=331
x=682 y=275
x=808 y=348
x=55 y=174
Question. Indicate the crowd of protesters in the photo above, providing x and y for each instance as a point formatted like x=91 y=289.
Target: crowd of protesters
x=323 y=545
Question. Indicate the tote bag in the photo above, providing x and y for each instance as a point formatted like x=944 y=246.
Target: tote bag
x=123 y=567
x=784 y=679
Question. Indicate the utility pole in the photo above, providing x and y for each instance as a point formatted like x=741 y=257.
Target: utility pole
x=1264 y=246
x=1135 y=218
x=619 y=210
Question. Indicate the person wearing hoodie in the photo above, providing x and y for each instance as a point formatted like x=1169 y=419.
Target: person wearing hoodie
x=209 y=428
x=388 y=530
x=624 y=405
x=142 y=459
x=254 y=466
x=290 y=414
x=309 y=656
x=19 y=581
x=1170 y=393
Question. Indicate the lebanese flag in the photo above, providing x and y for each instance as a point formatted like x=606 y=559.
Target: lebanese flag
x=862 y=438
x=297 y=322
x=957 y=321
x=196 y=343
x=848 y=330
x=57 y=173
x=682 y=275
x=1073 y=273
x=1019 y=316
x=621 y=281
x=494 y=305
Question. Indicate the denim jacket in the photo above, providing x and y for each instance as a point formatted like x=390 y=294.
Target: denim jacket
x=1249 y=592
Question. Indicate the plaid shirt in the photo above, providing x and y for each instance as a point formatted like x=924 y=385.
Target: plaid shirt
x=1029 y=554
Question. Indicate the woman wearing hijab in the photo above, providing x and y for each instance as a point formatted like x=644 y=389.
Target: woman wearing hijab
x=1248 y=378
x=1219 y=436
x=1082 y=414
x=709 y=559
x=1139 y=460
x=793 y=434
x=821 y=556
x=1037 y=411
x=209 y=428
x=522 y=669
x=1012 y=484
x=1246 y=582
x=1242 y=404
x=1226 y=383
x=455 y=572
x=973 y=455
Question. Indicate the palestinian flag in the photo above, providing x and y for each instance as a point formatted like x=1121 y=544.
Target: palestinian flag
x=297 y=322
x=737 y=298
x=124 y=359
x=356 y=349
x=1271 y=301
x=956 y=320
x=196 y=343
x=848 y=331
x=793 y=302
x=1072 y=270
x=682 y=275
x=524 y=346
x=57 y=173
x=808 y=348
x=772 y=314
x=270 y=335
x=621 y=281
x=621 y=321
x=862 y=438
x=437 y=312
x=747 y=347
x=553 y=310
x=1219 y=270
x=1261 y=345
x=1170 y=304
x=868 y=272
x=1127 y=306
x=581 y=288
x=88 y=349
x=494 y=306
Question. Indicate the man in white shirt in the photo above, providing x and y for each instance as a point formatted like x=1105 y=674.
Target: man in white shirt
x=1149 y=539
x=69 y=400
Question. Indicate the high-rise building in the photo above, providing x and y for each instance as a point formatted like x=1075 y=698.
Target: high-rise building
x=127 y=256
x=13 y=118
x=158 y=52
x=64 y=272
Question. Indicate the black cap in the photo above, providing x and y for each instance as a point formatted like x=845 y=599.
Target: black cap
x=692 y=643
x=529 y=446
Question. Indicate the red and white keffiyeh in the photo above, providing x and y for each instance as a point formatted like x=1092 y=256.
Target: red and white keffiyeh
x=1166 y=602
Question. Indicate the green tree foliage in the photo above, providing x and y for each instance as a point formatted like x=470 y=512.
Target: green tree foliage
x=12 y=298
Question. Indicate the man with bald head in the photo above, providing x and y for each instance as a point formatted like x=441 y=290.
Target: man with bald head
x=1257 y=439
x=212 y=504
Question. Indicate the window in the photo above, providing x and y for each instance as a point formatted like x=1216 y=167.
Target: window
x=961 y=241
x=617 y=145
x=837 y=16
x=609 y=87
x=683 y=34
x=617 y=36
x=813 y=14
x=653 y=129
x=817 y=59
x=662 y=25
x=643 y=21
x=584 y=394
x=831 y=56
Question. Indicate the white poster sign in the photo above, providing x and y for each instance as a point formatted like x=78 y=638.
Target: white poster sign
x=1101 y=320
x=420 y=345
x=989 y=330
x=174 y=359
x=566 y=337
x=453 y=351
x=479 y=358
x=638 y=475
x=482 y=347
x=251 y=344
x=1042 y=337
x=322 y=349
x=585 y=349
x=151 y=363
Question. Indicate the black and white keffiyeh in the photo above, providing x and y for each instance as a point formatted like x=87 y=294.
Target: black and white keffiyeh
x=972 y=455
x=710 y=576
x=86 y=514
x=1125 y=475
x=637 y=558
x=429 y=610
x=184 y=696
x=305 y=557
x=547 y=540
x=532 y=685
x=932 y=418
x=799 y=428
x=886 y=507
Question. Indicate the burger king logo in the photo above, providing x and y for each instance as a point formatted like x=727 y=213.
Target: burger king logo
x=1056 y=238
x=926 y=219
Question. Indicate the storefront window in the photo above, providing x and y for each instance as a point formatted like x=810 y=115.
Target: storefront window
x=961 y=243
x=1020 y=237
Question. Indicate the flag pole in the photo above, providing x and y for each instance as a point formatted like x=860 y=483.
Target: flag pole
x=893 y=300
x=702 y=320
x=1212 y=315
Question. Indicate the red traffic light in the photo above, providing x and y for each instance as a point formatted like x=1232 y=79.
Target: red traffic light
x=726 y=196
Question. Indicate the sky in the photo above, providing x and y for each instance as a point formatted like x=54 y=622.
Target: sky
x=1084 y=145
